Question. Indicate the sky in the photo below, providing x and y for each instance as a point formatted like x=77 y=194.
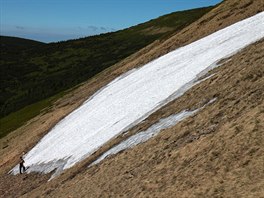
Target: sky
x=57 y=20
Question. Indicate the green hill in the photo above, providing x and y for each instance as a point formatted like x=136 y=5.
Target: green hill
x=32 y=71
x=8 y=43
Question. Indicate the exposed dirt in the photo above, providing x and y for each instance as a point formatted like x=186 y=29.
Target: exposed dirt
x=217 y=153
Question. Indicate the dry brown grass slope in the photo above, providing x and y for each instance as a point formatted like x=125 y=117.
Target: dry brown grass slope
x=217 y=153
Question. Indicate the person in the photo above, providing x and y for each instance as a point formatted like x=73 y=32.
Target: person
x=22 y=167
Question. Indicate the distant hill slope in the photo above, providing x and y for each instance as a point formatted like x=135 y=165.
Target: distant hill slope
x=35 y=73
x=8 y=42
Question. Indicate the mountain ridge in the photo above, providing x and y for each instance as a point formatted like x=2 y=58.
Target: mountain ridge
x=217 y=152
x=36 y=74
x=41 y=72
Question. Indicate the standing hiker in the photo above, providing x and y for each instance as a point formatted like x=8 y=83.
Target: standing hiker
x=22 y=168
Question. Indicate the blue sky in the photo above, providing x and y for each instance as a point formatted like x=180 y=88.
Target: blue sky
x=55 y=20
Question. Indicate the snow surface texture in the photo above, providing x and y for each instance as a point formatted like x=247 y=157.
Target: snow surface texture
x=143 y=136
x=130 y=98
x=152 y=131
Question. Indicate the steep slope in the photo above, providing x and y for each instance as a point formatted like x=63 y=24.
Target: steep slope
x=131 y=98
x=216 y=153
x=34 y=74
x=226 y=159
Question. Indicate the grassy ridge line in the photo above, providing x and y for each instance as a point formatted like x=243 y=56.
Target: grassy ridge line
x=10 y=42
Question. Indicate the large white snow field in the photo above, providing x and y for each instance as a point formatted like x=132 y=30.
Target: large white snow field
x=132 y=97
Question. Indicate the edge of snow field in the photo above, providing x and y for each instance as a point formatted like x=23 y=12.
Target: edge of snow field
x=192 y=59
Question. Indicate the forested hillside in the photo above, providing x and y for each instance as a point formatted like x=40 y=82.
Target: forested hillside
x=33 y=71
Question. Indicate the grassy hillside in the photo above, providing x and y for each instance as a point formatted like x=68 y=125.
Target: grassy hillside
x=14 y=43
x=35 y=72
x=216 y=153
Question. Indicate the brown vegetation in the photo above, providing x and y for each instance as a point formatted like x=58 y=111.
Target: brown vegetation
x=216 y=153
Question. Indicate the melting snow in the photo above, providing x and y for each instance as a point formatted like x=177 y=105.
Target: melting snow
x=132 y=97
x=152 y=131
x=143 y=136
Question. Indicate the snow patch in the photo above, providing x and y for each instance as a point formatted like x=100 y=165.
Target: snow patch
x=152 y=131
x=132 y=97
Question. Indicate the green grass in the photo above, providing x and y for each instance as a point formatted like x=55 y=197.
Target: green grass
x=17 y=119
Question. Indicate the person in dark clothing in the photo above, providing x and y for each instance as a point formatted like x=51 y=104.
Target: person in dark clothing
x=22 y=168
